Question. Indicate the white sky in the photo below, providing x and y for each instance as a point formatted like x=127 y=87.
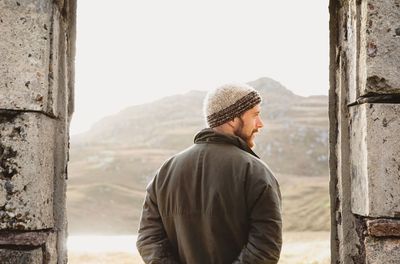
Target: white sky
x=131 y=52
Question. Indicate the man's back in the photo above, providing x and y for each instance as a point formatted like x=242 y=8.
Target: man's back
x=216 y=203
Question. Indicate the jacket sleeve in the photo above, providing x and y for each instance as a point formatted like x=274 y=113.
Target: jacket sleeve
x=152 y=243
x=265 y=225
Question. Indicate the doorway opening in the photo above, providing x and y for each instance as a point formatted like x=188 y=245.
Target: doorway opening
x=141 y=76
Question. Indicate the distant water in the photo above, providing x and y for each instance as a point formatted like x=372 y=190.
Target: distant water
x=97 y=244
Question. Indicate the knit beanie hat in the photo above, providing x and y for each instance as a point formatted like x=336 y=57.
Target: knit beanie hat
x=229 y=101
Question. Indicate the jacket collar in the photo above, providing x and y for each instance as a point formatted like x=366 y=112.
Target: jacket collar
x=208 y=135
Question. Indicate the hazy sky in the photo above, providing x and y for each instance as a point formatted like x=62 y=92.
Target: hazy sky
x=130 y=51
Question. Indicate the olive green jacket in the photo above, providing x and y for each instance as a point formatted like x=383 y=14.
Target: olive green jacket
x=215 y=202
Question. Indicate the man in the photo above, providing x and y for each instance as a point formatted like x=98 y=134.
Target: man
x=215 y=202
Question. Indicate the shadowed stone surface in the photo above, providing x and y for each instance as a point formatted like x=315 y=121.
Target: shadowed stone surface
x=382 y=251
x=26 y=171
x=375 y=159
x=9 y=256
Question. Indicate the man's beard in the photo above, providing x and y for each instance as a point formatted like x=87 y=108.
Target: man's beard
x=247 y=138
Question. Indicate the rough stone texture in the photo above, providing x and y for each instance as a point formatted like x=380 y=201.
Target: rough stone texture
x=27 y=57
x=359 y=160
x=50 y=254
x=70 y=10
x=60 y=188
x=62 y=79
x=26 y=170
x=45 y=239
x=384 y=227
x=10 y=256
x=37 y=51
x=343 y=37
x=58 y=65
x=381 y=45
x=375 y=159
x=24 y=239
x=349 y=24
x=364 y=117
x=379 y=251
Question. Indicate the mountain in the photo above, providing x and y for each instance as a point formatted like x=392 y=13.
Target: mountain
x=112 y=163
x=296 y=127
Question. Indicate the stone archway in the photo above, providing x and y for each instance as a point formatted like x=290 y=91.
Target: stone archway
x=36 y=92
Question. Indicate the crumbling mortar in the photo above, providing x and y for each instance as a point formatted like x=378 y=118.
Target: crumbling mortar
x=10 y=219
x=45 y=254
x=361 y=230
x=335 y=51
x=71 y=50
x=345 y=30
x=359 y=26
x=341 y=4
x=62 y=6
x=381 y=218
x=379 y=83
x=19 y=247
x=18 y=132
x=13 y=232
x=8 y=166
x=51 y=60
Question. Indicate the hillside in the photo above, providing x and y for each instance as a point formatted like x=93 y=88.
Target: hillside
x=111 y=164
x=296 y=128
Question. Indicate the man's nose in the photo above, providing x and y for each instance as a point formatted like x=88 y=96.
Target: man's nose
x=260 y=123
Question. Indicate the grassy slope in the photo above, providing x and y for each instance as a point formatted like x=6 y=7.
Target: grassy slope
x=115 y=209
x=305 y=202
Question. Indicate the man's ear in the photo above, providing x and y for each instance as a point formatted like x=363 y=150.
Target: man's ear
x=232 y=123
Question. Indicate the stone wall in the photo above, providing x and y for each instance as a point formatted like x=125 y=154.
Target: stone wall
x=364 y=130
x=36 y=103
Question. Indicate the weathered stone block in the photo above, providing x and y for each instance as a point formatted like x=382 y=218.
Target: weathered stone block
x=27 y=63
x=31 y=239
x=45 y=239
x=380 y=44
x=384 y=227
x=375 y=159
x=9 y=256
x=359 y=160
x=26 y=170
x=380 y=251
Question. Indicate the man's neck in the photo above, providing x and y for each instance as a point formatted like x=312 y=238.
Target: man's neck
x=224 y=129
